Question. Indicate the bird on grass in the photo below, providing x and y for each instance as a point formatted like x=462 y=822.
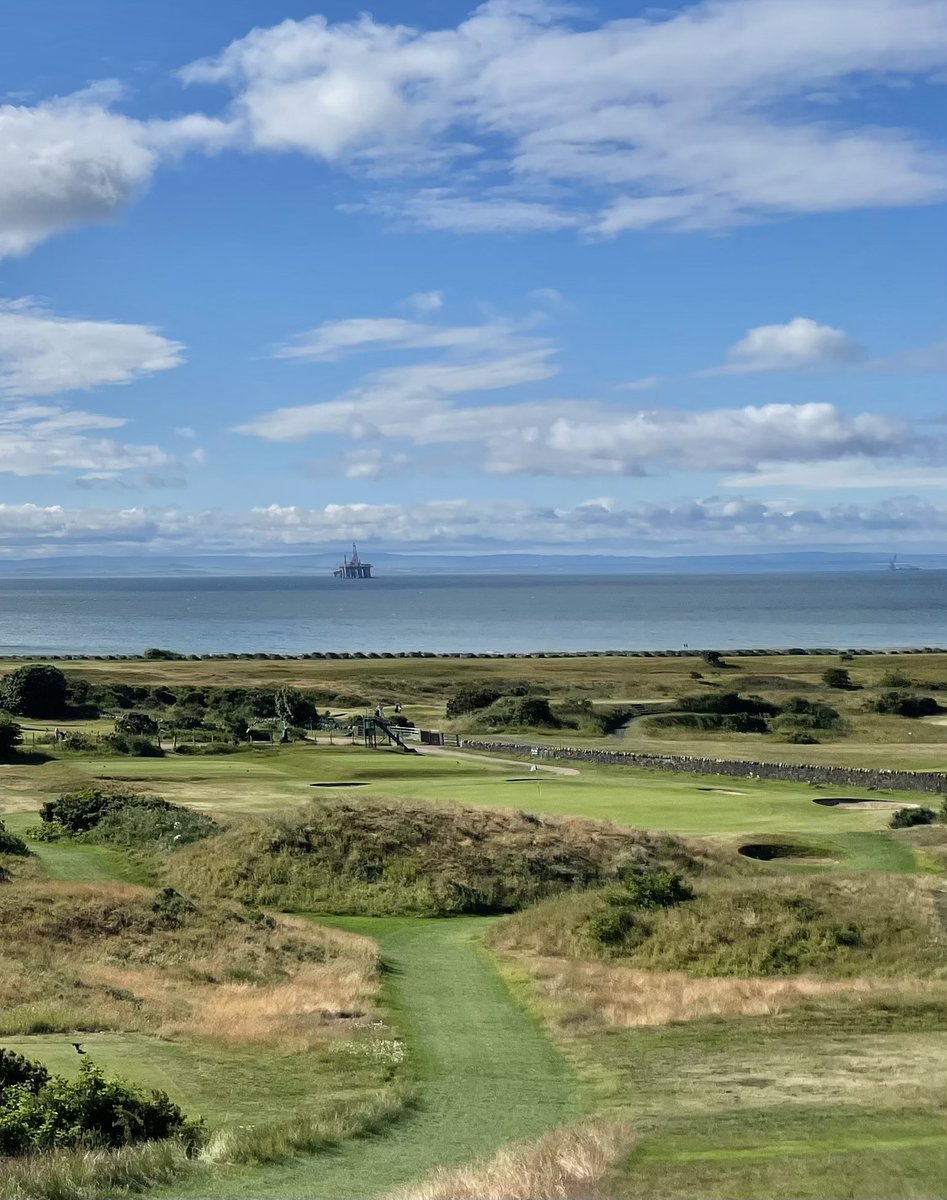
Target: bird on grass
x=77 y=1046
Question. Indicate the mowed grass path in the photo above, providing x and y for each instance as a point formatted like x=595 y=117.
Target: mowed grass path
x=486 y=1072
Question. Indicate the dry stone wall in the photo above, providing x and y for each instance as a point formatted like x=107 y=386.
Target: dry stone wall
x=865 y=777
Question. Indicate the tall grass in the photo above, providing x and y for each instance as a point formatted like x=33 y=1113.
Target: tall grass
x=381 y=858
x=94 y=957
x=566 y=1164
x=837 y=925
x=307 y=1133
x=93 y=1174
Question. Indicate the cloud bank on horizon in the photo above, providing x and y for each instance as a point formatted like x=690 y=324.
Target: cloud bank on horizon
x=682 y=254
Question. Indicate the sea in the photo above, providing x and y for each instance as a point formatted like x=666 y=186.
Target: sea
x=474 y=614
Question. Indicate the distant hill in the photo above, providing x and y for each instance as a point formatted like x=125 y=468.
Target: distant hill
x=388 y=564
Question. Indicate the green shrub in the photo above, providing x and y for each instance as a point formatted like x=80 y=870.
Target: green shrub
x=125 y=818
x=470 y=699
x=11 y=844
x=136 y=724
x=132 y=745
x=11 y=736
x=837 y=677
x=39 y=1114
x=905 y=704
x=907 y=818
x=620 y=921
x=728 y=704
x=17 y=1071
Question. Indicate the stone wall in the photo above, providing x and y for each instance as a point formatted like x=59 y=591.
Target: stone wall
x=864 y=777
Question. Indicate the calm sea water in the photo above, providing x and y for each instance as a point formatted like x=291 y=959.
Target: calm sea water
x=483 y=613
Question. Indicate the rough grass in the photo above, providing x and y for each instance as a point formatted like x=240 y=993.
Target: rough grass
x=307 y=1133
x=590 y=993
x=92 y=1174
x=92 y=957
x=566 y=1164
x=377 y=858
x=830 y=926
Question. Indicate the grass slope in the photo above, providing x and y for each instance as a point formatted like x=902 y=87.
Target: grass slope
x=487 y=1074
x=377 y=858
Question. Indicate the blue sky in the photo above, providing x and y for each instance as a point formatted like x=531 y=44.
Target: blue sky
x=523 y=276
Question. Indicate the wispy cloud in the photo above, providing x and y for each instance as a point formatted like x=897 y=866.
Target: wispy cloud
x=42 y=353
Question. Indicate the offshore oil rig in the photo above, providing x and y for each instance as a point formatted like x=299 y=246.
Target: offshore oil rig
x=353 y=568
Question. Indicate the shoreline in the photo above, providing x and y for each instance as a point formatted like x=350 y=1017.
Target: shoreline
x=362 y=655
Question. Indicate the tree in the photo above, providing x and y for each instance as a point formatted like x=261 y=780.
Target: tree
x=138 y=724
x=837 y=677
x=11 y=735
x=713 y=658
x=38 y=690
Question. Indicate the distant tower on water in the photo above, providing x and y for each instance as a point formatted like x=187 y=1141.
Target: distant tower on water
x=353 y=568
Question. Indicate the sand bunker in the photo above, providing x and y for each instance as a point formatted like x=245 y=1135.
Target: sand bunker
x=855 y=802
x=334 y=785
x=722 y=791
x=799 y=852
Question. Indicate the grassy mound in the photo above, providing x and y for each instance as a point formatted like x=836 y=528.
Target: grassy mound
x=376 y=858
x=98 y=957
x=833 y=927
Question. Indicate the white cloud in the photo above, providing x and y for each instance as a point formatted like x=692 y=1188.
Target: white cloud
x=72 y=160
x=334 y=339
x=799 y=344
x=424 y=303
x=645 y=384
x=726 y=524
x=45 y=440
x=42 y=353
x=706 y=116
x=849 y=474
x=427 y=404
x=65 y=162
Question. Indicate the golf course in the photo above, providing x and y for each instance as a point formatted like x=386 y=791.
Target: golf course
x=378 y=973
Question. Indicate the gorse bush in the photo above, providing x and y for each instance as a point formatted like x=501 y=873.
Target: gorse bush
x=137 y=724
x=11 y=844
x=470 y=699
x=907 y=818
x=134 y=745
x=40 y=1112
x=619 y=921
x=125 y=818
x=904 y=704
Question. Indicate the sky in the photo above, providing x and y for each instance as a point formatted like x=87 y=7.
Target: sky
x=562 y=278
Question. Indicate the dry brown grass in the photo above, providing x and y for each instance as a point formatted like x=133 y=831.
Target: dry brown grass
x=566 y=1164
x=582 y=992
x=94 y=957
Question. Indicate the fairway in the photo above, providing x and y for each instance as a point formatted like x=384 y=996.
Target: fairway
x=266 y=781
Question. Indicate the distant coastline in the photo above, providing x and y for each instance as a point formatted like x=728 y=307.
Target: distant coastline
x=527 y=565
